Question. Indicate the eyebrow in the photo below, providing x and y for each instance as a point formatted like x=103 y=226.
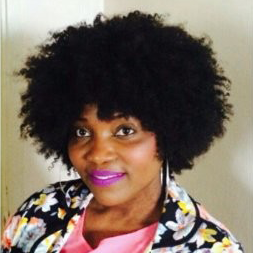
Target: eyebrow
x=114 y=117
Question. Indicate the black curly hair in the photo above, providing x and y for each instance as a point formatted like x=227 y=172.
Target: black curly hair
x=133 y=64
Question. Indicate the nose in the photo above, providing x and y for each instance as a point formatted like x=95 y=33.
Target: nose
x=100 y=152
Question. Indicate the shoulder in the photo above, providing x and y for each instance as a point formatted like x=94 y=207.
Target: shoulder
x=60 y=194
x=57 y=191
x=212 y=236
x=187 y=226
x=44 y=209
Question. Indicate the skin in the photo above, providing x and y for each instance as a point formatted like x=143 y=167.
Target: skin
x=123 y=146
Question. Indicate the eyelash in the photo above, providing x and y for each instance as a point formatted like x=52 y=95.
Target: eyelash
x=120 y=128
x=81 y=129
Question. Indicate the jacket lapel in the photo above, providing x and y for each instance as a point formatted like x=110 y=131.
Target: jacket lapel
x=179 y=219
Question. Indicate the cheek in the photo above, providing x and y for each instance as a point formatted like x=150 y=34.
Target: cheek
x=74 y=154
x=143 y=152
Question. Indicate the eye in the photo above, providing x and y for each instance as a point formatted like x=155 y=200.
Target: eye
x=125 y=131
x=82 y=132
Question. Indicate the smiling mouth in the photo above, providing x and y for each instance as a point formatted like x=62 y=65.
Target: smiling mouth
x=105 y=178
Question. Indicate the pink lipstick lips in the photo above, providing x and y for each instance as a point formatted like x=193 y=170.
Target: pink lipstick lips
x=105 y=177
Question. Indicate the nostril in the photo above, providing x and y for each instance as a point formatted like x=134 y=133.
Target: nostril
x=100 y=155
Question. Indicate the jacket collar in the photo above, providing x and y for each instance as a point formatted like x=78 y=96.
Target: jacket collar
x=179 y=219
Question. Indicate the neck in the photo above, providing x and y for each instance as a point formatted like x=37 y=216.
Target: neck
x=143 y=210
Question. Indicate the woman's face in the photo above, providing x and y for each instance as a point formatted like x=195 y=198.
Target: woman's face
x=115 y=158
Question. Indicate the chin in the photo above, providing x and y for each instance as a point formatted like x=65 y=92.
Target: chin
x=109 y=199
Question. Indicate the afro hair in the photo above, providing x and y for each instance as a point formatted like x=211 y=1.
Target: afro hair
x=136 y=65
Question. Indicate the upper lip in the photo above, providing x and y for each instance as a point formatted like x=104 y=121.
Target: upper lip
x=97 y=173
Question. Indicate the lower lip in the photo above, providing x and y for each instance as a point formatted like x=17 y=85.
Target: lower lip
x=106 y=182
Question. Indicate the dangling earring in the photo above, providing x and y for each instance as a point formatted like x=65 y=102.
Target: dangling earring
x=166 y=173
x=168 y=176
x=165 y=177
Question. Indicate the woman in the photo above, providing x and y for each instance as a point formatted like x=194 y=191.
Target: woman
x=126 y=102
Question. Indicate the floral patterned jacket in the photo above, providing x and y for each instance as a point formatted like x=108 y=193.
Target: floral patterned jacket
x=46 y=219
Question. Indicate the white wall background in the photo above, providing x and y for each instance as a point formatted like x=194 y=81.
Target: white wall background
x=222 y=179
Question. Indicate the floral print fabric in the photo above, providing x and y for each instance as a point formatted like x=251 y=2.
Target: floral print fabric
x=46 y=219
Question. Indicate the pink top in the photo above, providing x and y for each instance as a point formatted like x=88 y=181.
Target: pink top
x=136 y=241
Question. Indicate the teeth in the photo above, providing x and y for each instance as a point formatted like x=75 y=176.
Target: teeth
x=105 y=177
